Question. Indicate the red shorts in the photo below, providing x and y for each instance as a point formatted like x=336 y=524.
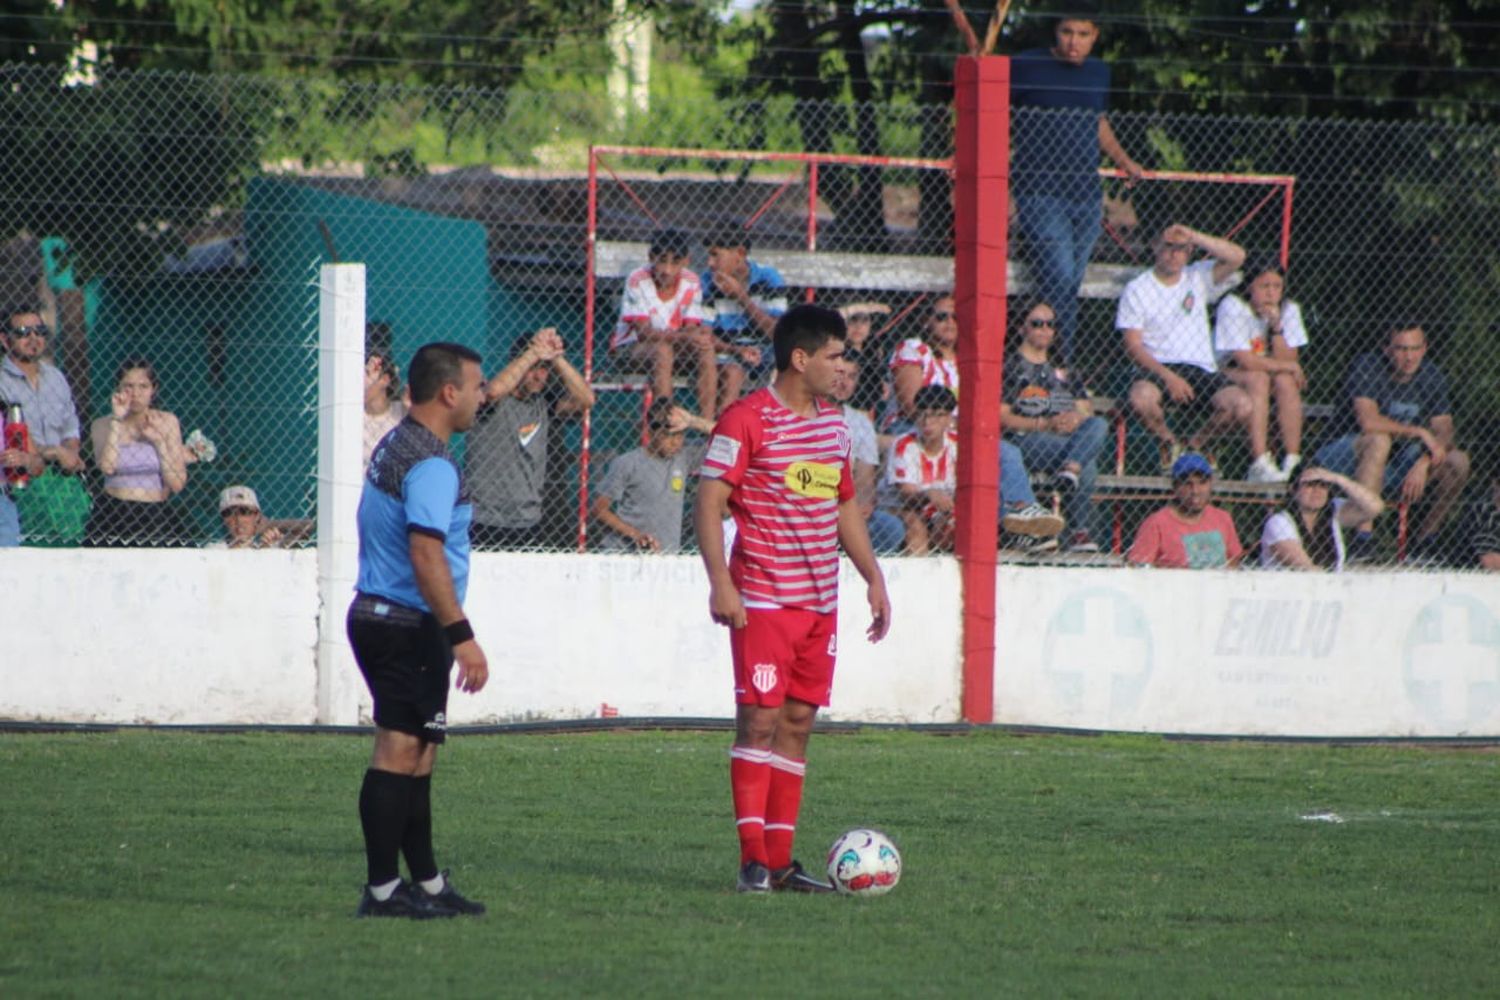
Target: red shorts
x=784 y=653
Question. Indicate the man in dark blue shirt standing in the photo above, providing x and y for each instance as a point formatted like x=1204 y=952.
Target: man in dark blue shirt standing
x=407 y=627
x=1059 y=96
x=1400 y=394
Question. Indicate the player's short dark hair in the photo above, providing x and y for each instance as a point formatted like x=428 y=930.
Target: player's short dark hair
x=21 y=308
x=436 y=365
x=934 y=397
x=806 y=328
x=672 y=242
x=728 y=235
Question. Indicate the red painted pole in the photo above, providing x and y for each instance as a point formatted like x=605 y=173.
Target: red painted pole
x=981 y=190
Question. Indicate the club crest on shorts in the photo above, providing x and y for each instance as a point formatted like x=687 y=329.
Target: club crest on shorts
x=763 y=676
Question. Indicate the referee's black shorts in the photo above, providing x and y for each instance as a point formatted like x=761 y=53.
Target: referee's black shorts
x=406 y=660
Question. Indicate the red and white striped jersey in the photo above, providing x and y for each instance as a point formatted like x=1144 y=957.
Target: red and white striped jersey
x=789 y=474
x=910 y=464
x=641 y=301
x=935 y=370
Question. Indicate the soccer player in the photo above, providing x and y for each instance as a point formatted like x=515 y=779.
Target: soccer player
x=778 y=463
x=407 y=626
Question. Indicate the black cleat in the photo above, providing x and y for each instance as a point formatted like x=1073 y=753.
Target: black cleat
x=754 y=877
x=793 y=878
x=406 y=901
x=451 y=899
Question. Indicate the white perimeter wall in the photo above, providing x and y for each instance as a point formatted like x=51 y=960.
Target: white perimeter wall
x=194 y=636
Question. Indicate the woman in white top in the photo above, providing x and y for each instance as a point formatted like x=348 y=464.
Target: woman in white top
x=1257 y=343
x=1309 y=532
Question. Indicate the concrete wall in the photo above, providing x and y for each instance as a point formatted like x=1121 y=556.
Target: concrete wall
x=218 y=637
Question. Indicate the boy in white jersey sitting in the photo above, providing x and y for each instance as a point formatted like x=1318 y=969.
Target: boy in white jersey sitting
x=923 y=473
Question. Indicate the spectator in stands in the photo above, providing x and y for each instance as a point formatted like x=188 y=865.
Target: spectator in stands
x=1257 y=344
x=923 y=473
x=1309 y=532
x=931 y=359
x=661 y=328
x=1163 y=318
x=1060 y=95
x=1188 y=533
x=1025 y=525
x=742 y=301
x=861 y=318
x=245 y=527
x=1400 y=395
x=383 y=406
x=1051 y=422
x=887 y=533
x=639 y=503
x=54 y=506
x=1483 y=527
x=864 y=342
x=139 y=449
x=507 y=447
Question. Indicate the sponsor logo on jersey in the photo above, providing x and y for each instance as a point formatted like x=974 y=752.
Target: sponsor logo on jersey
x=833 y=645
x=813 y=479
x=763 y=676
x=527 y=431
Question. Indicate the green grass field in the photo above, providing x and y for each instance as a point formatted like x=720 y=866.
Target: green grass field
x=172 y=864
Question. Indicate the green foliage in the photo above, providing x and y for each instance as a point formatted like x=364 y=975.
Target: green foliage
x=169 y=864
x=122 y=167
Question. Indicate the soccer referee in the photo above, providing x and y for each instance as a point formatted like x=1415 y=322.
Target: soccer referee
x=407 y=627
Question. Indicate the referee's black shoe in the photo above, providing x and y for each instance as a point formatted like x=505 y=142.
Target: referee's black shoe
x=450 y=898
x=407 y=901
x=794 y=878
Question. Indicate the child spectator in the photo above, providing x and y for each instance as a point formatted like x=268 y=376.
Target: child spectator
x=640 y=500
x=923 y=473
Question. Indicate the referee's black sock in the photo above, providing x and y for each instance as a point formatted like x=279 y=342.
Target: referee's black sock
x=383 y=805
x=416 y=842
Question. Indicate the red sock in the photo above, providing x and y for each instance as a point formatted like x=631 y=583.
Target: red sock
x=782 y=804
x=750 y=780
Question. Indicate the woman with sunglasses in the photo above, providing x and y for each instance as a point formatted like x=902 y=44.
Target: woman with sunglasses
x=1308 y=533
x=1052 y=422
x=931 y=359
x=139 y=449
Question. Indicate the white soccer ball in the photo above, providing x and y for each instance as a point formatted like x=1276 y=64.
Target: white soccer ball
x=864 y=863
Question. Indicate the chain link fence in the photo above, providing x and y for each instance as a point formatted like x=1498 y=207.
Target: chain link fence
x=181 y=219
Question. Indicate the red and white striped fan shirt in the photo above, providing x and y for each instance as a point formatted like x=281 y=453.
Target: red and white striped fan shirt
x=789 y=474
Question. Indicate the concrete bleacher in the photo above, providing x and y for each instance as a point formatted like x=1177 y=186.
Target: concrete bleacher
x=615 y=259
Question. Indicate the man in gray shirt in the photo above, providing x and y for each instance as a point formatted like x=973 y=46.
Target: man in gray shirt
x=640 y=500
x=507 y=448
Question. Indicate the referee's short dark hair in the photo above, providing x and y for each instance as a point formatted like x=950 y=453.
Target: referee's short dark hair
x=806 y=327
x=436 y=365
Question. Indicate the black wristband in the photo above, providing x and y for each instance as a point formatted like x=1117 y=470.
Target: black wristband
x=458 y=632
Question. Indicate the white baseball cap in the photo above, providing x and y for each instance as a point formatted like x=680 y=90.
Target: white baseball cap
x=238 y=496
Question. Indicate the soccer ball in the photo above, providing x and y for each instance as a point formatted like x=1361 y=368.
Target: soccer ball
x=864 y=863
